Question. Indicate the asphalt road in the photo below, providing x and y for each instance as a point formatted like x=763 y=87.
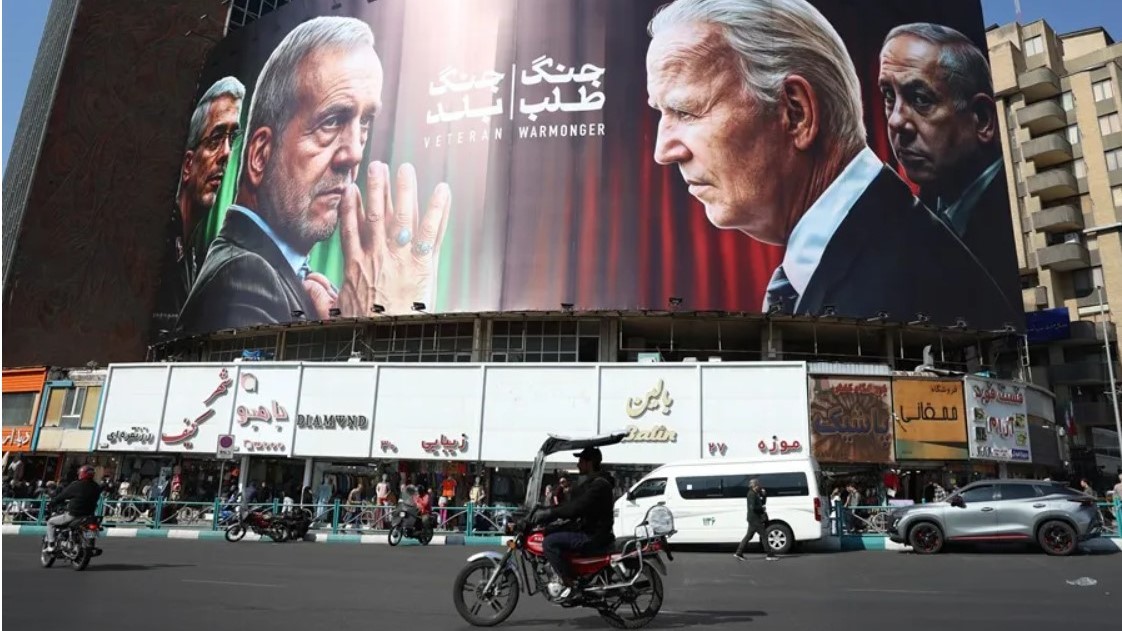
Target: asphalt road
x=214 y=586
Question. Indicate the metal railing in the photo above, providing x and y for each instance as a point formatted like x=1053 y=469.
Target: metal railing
x=335 y=517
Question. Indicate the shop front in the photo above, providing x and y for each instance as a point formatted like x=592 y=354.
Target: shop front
x=22 y=390
x=929 y=422
x=997 y=427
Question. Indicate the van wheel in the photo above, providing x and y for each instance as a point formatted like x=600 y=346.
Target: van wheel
x=778 y=538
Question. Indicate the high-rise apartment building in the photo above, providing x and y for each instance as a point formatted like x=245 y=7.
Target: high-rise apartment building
x=1059 y=99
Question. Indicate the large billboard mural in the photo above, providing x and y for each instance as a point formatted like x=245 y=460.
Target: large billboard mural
x=493 y=155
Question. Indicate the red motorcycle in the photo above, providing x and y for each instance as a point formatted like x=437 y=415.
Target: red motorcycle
x=623 y=583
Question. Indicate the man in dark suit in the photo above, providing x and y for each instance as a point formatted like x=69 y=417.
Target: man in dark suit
x=761 y=111
x=942 y=123
x=757 y=521
x=305 y=141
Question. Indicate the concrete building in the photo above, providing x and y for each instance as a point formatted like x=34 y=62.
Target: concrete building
x=1059 y=98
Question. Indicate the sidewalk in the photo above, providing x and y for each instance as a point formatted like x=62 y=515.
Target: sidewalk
x=829 y=544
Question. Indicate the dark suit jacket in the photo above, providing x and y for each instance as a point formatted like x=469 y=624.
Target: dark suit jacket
x=245 y=280
x=989 y=236
x=893 y=254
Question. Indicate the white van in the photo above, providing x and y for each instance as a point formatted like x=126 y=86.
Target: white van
x=709 y=500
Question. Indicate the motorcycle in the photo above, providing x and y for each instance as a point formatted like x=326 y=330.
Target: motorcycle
x=292 y=525
x=261 y=524
x=623 y=583
x=407 y=522
x=77 y=543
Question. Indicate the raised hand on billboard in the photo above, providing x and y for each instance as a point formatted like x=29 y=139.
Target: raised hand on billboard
x=322 y=292
x=390 y=257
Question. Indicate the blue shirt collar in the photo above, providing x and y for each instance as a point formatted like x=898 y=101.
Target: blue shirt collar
x=294 y=258
x=813 y=232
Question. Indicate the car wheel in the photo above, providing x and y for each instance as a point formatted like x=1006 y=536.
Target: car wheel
x=1057 y=538
x=778 y=538
x=926 y=538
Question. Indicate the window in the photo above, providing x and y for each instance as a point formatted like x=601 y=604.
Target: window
x=982 y=493
x=1116 y=192
x=649 y=488
x=545 y=341
x=1034 y=46
x=227 y=350
x=430 y=342
x=72 y=408
x=1058 y=489
x=1103 y=90
x=1080 y=168
x=319 y=344
x=1017 y=491
x=19 y=408
x=1068 y=101
x=1109 y=124
x=736 y=486
x=1113 y=159
x=1073 y=134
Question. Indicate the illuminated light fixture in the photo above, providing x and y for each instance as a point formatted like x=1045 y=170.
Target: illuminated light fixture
x=921 y=318
x=377 y=308
x=418 y=306
x=334 y=312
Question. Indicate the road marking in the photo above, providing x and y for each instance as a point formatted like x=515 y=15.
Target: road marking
x=188 y=580
x=893 y=591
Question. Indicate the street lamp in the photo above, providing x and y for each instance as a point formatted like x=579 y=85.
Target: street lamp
x=1110 y=370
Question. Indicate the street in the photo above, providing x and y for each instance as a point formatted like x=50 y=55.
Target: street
x=217 y=586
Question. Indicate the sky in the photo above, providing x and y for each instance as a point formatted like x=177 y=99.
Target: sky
x=23 y=22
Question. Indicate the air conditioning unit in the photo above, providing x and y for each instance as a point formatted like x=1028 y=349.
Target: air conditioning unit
x=649 y=358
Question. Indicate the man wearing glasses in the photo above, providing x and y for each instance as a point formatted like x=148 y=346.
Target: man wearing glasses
x=214 y=130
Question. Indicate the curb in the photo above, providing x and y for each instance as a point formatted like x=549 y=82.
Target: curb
x=844 y=543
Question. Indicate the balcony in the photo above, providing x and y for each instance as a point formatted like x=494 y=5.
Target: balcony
x=1056 y=183
x=1093 y=413
x=1091 y=332
x=1038 y=84
x=1066 y=218
x=1064 y=257
x=1043 y=117
x=1034 y=298
x=1047 y=150
x=1081 y=373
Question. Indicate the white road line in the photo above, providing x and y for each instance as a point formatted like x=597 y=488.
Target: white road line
x=893 y=591
x=188 y=580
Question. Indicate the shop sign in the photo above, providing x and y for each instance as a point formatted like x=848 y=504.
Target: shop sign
x=851 y=420
x=718 y=448
x=998 y=427
x=656 y=434
x=191 y=426
x=388 y=447
x=930 y=419
x=656 y=399
x=257 y=446
x=133 y=436
x=332 y=421
x=779 y=447
x=17 y=438
x=446 y=446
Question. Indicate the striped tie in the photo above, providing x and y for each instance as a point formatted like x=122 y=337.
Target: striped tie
x=304 y=271
x=780 y=292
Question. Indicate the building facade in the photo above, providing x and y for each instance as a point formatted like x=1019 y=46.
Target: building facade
x=1059 y=103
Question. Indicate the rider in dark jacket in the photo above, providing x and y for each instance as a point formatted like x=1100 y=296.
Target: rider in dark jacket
x=82 y=494
x=591 y=507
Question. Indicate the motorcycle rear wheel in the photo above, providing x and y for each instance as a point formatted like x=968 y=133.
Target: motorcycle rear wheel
x=46 y=559
x=235 y=533
x=425 y=537
x=636 y=616
x=501 y=604
x=81 y=559
x=279 y=533
x=395 y=535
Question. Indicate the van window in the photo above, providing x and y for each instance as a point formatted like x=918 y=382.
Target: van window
x=649 y=488
x=792 y=484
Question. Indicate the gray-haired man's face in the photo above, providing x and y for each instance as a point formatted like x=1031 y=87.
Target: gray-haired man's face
x=205 y=165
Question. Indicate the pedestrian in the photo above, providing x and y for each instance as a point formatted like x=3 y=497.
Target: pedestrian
x=1118 y=488
x=1086 y=488
x=757 y=520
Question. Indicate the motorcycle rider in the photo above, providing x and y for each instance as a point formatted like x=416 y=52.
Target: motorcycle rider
x=590 y=511
x=424 y=505
x=83 y=494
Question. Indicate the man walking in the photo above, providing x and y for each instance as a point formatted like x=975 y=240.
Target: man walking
x=757 y=520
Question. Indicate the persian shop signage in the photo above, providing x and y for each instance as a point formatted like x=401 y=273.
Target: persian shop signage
x=191 y=427
x=134 y=436
x=656 y=399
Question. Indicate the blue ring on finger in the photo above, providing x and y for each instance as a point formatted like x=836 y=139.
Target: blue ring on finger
x=404 y=236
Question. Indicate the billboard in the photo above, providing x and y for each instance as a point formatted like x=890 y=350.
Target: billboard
x=335 y=417
x=998 y=420
x=851 y=419
x=754 y=412
x=930 y=419
x=495 y=155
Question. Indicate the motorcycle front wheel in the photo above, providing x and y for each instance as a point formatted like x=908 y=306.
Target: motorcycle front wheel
x=637 y=606
x=473 y=606
x=395 y=535
x=46 y=559
x=235 y=533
